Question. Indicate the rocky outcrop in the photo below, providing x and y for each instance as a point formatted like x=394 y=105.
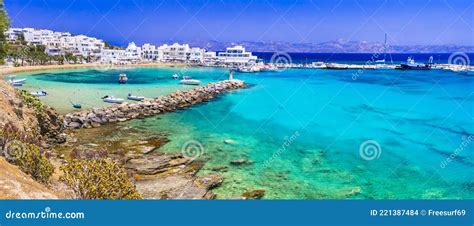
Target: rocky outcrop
x=156 y=162
x=255 y=194
x=24 y=115
x=46 y=122
x=126 y=111
x=13 y=109
x=171 y=176
x=14 y=184
x=241 y=161
x=50 y=125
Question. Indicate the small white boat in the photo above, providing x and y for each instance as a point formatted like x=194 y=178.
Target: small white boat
x=190 y=82
x=23 y=80
x=123 y=79
x=136 y=98
x=41 y=93
x=16 y=83
x=247 y=70
x=112 y=99
x=175 y=76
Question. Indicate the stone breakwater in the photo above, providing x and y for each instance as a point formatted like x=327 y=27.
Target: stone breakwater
x=122 y=112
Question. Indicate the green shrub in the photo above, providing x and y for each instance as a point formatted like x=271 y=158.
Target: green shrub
x=98 y=179
x=23 y=150
x=32 y=102
x=33 y=162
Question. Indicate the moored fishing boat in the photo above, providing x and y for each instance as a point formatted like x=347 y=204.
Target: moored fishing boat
x=112 y=99
x=16 y=82
x=381 y=64
x=248 y=69
x=187 y=80
x=136 y=98
x=76 y=105
x=190 y=82
x=412 y=65
x=123 y=79
x=39 y=93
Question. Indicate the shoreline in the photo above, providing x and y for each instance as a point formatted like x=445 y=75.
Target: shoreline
x=5 y=70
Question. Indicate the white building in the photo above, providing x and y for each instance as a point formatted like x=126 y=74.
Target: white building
x=150 y=53
x=59 y=43
x=172 y=53
x=133 y=53
x=236 y=55
x=196 y=55
x=112 y=56
x=210 y=57
x=12 y=34
x=52 y=51
x=56 y=42
x=82 y=45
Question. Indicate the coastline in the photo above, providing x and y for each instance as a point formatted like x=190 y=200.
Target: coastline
x=5 y=70
x=369 y=65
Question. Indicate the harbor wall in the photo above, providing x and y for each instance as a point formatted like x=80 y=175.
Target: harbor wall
x=131 y=110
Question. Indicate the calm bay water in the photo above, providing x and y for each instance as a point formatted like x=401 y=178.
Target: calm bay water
x=302 y=129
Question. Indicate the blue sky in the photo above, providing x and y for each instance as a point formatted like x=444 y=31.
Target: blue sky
x=407 y=22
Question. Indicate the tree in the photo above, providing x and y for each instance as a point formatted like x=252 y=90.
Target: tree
x=4 y=25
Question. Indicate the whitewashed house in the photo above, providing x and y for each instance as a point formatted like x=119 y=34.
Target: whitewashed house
x=133 y=53
x=196 y=55
x=82 y=45
x=12 y=34
x=210 y=57
x=150 y=53
x=236 y=55
x=112 y=56
x=58 y=42
x=173 y=53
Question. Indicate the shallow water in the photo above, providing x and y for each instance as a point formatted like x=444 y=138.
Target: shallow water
x=302 y=129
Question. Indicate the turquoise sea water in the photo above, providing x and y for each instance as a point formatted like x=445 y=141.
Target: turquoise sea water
x=302 y=129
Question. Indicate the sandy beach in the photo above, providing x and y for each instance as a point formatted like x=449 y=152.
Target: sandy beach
x=6 y=70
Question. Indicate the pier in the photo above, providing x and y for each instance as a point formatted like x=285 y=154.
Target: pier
x=122 y=112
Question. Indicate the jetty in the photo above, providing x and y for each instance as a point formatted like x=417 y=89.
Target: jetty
x=122 y=112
